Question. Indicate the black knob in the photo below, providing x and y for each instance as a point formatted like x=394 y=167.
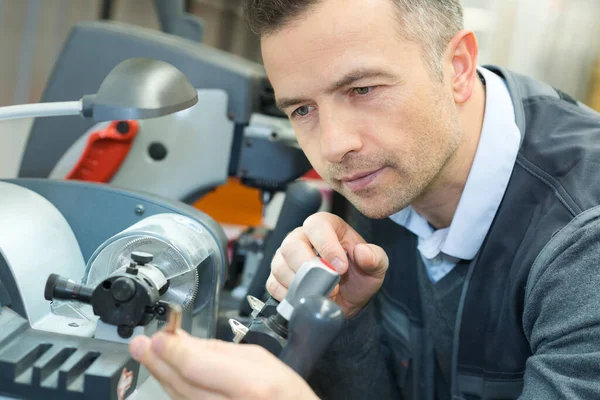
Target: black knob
x=122 y=127
x=58 y=287
x=157 y=151
x=123 y=289
x=141 y=258
x=125 y=331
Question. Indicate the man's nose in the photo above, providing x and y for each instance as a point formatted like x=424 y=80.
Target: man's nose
x=339 y=135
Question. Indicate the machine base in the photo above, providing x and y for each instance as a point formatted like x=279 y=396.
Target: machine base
x=42 y=365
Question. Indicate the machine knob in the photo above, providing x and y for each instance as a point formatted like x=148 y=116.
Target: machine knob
x=141 y=258
x=123 y=289
x=315 y=323
x=58 y=287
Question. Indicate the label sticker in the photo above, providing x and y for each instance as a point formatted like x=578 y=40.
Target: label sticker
x=124 y=384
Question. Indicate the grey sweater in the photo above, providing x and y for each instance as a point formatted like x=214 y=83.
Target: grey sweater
x=561 y=321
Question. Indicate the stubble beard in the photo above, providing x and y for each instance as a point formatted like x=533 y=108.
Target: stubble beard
x=415 y=175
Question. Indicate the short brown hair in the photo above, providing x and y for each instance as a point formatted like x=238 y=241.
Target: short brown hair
x=431 y=23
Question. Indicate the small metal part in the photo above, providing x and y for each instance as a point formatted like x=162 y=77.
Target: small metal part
x=139 y=209
x=125 y=331
x=255 y=304
x=132 y=268
x=174 y=322
x=141 y=257
x=238 y=329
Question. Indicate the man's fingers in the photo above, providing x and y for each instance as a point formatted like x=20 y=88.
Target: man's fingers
x=326 y=233
x=335 y=291
x=296 y=249
x=281 y=270
x=275 y=289
x=210 y=364
x=371 y=259
x=171 y=382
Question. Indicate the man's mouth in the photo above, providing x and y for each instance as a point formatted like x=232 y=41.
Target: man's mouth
x=361 y=180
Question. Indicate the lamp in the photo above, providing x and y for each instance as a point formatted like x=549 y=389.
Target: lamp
x=137 y=88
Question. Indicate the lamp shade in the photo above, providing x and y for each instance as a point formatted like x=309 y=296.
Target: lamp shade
x=140 y=88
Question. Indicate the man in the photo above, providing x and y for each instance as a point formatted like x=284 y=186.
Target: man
x=471 y=267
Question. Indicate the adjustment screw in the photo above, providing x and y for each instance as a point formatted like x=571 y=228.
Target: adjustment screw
x=139 y=209
x=141 y=257
x=160 y=310
x=122 y=127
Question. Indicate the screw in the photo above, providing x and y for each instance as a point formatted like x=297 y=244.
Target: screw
x=160 y=310
x=139 y=209
x=74 y=325
x=122 y=127
x=125 y=331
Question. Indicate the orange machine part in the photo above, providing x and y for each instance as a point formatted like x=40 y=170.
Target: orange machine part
x=104 y=153
x=236 y=204
x=233 y=203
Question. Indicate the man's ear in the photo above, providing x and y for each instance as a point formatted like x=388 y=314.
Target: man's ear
x=462 y=54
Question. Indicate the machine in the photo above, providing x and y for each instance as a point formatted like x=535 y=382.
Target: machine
x=234 y=130
x=86 y=267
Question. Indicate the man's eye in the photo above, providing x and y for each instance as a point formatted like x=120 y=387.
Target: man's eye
x=302 y=111
x=363 y=90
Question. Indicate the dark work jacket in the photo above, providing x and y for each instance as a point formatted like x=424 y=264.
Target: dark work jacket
x=530 y=304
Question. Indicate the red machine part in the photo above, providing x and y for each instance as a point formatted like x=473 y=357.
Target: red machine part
x=104 y=153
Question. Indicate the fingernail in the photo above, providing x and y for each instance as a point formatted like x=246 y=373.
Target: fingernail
x=158 y=343
x=137 y=349
x=338 y=264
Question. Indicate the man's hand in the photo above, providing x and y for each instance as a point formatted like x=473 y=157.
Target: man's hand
x=362 y=266
x=192 y=368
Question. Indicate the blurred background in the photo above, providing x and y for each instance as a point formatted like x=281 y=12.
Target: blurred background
x=553 y=40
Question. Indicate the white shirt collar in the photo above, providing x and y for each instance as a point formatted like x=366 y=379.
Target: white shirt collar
x=487 y=181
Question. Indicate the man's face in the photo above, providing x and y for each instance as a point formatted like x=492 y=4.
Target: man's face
x=367 y=111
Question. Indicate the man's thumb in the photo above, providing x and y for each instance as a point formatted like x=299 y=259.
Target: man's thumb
x=371 y=259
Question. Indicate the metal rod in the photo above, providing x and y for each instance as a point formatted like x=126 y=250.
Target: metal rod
x=40 y=110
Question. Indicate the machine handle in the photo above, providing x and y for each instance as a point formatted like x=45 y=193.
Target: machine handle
x=58 y=287
x=301 y=201
x=314 y=325
x=314 y=278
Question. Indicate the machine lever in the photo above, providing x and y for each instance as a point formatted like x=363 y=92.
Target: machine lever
x=61 y=288
x=314 y=278
x=315 y=324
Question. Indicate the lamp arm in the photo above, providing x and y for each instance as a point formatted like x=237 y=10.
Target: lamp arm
x=41 y=110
